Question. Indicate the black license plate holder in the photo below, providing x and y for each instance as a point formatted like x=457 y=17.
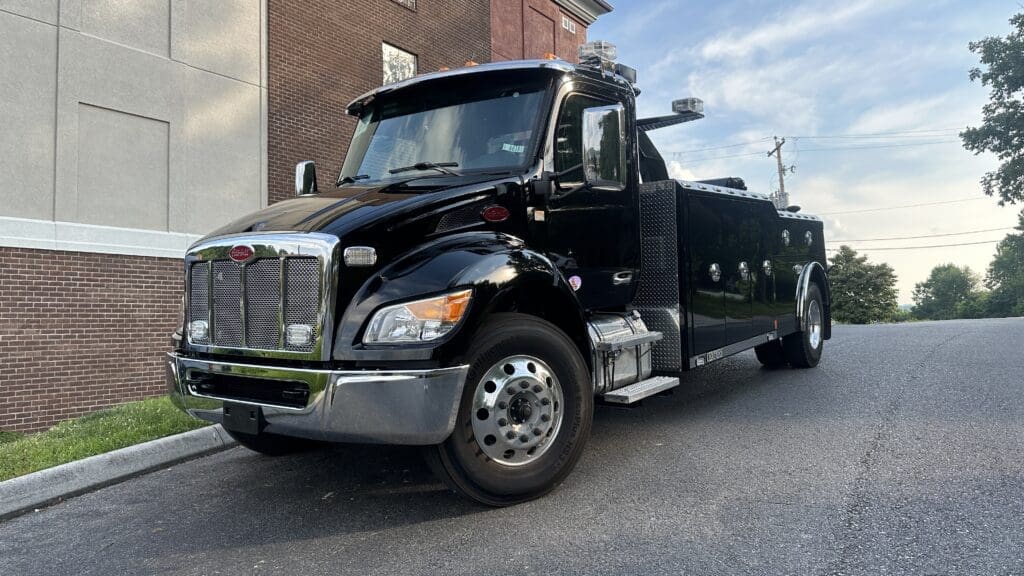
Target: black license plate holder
x=242 y=418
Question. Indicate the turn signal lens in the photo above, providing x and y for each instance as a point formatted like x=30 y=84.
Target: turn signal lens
x=419 y=321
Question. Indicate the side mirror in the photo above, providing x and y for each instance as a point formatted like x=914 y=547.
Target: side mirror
x=604 y=155
x=305 y=178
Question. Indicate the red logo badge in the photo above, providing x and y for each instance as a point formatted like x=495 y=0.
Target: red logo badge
x=495 y=214
x=240 y=253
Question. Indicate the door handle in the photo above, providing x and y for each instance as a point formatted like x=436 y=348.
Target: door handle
x=744 y=271
x=715 y=271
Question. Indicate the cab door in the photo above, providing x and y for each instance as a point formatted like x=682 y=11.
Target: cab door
x=593 y=232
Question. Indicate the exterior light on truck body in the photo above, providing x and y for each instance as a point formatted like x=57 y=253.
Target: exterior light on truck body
x=198 y=330
x=419 y=321
x=688 y=105
x=598 y=52
x=298 y=334
x=360 y=256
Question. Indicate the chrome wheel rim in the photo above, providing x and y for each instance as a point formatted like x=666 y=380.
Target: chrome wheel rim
x=814 y=323
x=517 y=410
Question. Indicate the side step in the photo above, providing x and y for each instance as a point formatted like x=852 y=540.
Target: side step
x=640 y=390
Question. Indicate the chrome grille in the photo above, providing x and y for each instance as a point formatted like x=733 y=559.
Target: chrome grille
x=227 y=304
x=302 y=296
x=263 y=304
x=199 y=302
x=245 y=306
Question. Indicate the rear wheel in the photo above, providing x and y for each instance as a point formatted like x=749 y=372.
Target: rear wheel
x=803 y=349
x=524 y=417
x=271 y=444
x=771 y=355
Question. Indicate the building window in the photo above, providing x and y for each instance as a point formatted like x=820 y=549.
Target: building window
x=568 y=24
x=398 y=64
x=410 y=4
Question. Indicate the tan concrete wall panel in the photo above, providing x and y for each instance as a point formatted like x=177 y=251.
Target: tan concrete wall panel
x=44 y=10
x=28 y=85
x=140 y=24
x=122 y=168
x=223 y=181
x=220 y=36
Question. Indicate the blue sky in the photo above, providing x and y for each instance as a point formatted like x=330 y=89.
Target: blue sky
x=884 y=79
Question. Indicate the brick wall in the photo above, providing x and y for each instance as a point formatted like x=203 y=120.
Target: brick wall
x=325 y=53
x=531 y=28
x=81 y=331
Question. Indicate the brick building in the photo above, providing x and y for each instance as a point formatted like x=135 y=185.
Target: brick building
x=136 y=126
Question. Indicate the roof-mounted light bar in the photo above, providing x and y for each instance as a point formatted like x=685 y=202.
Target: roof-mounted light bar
x=685 y=110
x=601 y=55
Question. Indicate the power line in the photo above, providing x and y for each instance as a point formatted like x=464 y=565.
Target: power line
x=903 y=206
x=900 y=134
x=929 y=133
x=737 y=145
x=921 y=247
x=878 y=146
x=919 y=237
x=821 y=149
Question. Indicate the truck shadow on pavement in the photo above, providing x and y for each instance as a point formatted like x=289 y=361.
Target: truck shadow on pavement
x=240 y=498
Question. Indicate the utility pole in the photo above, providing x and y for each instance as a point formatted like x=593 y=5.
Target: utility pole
x=781 y=199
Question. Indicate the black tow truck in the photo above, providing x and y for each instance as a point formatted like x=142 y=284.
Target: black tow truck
x=502 y=248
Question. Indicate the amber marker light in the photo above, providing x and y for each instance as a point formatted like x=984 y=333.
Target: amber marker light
x=419 y=321
x=449 y=308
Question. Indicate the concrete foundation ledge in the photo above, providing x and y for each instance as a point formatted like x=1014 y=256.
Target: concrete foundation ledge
x=26 y=493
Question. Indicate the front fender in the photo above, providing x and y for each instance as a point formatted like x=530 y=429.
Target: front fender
x=498 y=267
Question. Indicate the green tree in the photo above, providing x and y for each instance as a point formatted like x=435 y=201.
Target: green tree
x=946 y=293
x=862 y=293
x=1002 y=129
x=1005 y=276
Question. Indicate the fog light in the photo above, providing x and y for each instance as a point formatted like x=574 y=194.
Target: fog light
x=298 y=334
x=360 y=256
x=198 y=330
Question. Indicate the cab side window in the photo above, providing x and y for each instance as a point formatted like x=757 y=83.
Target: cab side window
x=569 y=137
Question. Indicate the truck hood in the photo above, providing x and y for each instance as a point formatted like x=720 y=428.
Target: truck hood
x=343 y=210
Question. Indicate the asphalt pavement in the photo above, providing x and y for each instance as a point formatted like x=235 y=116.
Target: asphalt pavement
x=902 y=453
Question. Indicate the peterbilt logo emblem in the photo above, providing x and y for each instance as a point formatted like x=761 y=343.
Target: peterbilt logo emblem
x=240 y=253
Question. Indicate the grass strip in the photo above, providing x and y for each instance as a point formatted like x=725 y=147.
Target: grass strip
x=96 y=433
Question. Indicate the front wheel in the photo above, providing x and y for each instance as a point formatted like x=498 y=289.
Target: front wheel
x=524 y=416
x=803 y=349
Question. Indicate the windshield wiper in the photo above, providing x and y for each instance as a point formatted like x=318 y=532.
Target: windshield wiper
x=442 y=167
x=350 y=179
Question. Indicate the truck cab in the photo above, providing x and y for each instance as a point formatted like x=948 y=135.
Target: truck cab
x=501 y=249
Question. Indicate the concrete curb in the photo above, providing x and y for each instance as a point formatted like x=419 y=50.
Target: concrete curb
x=25 y=493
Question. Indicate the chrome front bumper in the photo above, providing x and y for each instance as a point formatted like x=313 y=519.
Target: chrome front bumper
x=368 y=406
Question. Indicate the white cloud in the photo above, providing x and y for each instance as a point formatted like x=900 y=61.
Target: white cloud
x=677 y=172
x=803 y=22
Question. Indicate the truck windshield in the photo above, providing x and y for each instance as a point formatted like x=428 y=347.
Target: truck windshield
x=483 y=130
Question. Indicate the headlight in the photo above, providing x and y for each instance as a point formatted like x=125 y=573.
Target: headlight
x=419 y=321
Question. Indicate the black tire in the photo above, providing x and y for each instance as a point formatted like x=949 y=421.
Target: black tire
x=461 y=460
x=771 y=355
x=271 y=444
x=800 y=351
